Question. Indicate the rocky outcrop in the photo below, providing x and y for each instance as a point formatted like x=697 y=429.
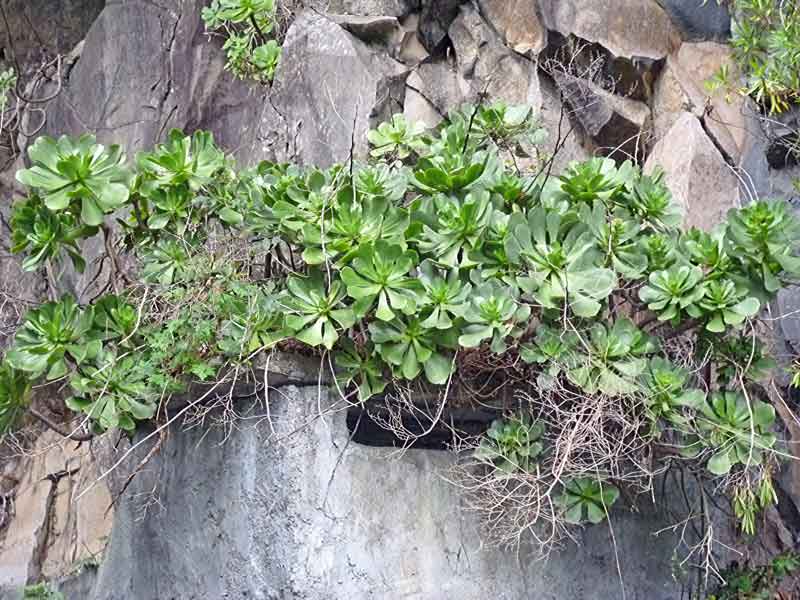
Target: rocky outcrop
x=277 y=513
x=700 y=21
x=682 y=87
x=54 y=526
x=626 y=28
x=488 y=66
x=41 y=29
x=518 y=22
x=618 y=126
x=316 y=515
x=329 y=89
x=696 y=173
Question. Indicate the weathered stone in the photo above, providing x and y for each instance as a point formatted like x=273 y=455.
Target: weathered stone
x=417 y=107
x=371 y=29
x=411 y=52
x=700 y=21
x=565 y=142
x=518 y=22
x=52 y=530
x=618 y=126
x=627 y=28
x=329 y=89
x=487 y=65
x=434 y=22
x=394 y=8
x=287 y=507
x=681 y=88
x=695 y=172
x=441 y=85
x=41 y=29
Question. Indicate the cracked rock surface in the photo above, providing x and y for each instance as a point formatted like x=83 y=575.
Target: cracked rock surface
x=264 y=515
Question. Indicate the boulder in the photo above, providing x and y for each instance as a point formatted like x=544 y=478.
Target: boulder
x=627 y=28
x=434 y=23
x=618 y=126
x=289 y=507
x=696 y=173
x=488 y=65
x=329 y=89
x=417 y=106
x=52 y=530
x=700 y=21
x=373 y=8
x=441 y=84
x=518 y=22
x=411 y=51
x=41 y=29
x=681 y=87
x=371 y=29
x=565 y=141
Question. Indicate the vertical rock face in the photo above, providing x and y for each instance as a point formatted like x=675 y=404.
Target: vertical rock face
x=696 y=173
x=52 y=531
x=40 y=29
x=329 y=88
x=267 y=514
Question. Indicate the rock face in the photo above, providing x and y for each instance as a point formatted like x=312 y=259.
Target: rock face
x=696 y=173
x=329 y=89
x=700 y=21
x=52 y=532
x=272 y=515
x=628 y=28
x=617 y=125
x=488 y=66
x=268 y=515
x=42 y=29
x=519 y=23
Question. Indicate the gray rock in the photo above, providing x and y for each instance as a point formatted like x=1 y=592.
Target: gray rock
x=626 y=28
x=565 y=141
x=696 y=173
x=441 y=85
x=681 y=87
x=41 y=29
x=700 y=21
x=275 y=514
x=435 y=20
x=380 y=29
x=518 y=22
x=488 y=65
x=330 y=88
x=618 y=126
x=394 y=8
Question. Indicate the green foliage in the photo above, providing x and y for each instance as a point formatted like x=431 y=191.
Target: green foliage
x=8 y=81
x=79 y=176
x=587 y=499
x=744 y=582
x=52 y=335
x=396 y=138
x=612 y=358
x=45 y=235
x=41 y=591
x=766 y=42
x=246 y=25
x=735 y=429
x=512 y=444
x=437 y=260
x=15 y=391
